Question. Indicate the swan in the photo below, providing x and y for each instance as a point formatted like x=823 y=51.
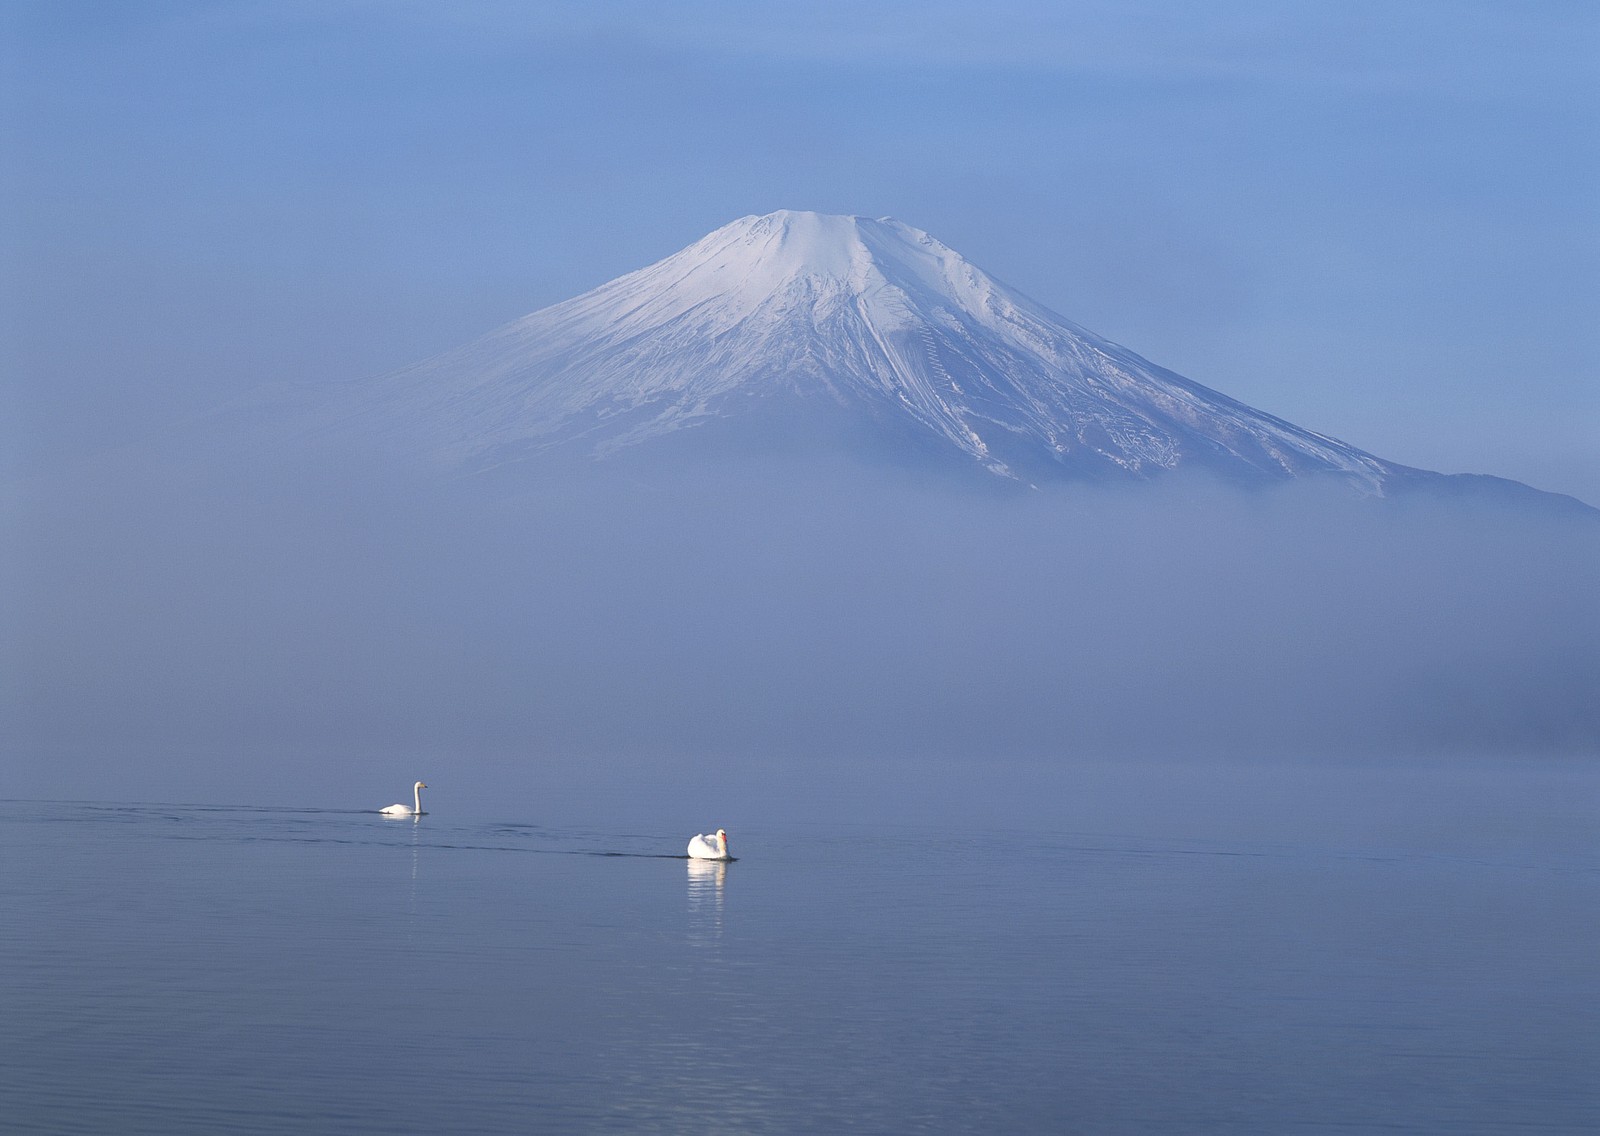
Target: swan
x=407 y=810
x=709 y=846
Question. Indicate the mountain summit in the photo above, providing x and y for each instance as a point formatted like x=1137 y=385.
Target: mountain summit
x=794 y=328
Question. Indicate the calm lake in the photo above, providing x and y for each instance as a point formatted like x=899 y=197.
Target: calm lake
x=1375 y=950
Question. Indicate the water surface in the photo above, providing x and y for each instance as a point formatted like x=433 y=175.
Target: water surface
x=204 y=969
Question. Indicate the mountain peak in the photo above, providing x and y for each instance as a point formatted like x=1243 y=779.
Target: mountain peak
x=792 y=242
x=756 y=257
x=781 y=325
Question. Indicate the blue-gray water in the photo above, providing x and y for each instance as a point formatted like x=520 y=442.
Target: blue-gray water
x=1427 y=966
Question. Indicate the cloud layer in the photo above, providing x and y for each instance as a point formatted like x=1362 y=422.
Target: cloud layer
x=325 y=616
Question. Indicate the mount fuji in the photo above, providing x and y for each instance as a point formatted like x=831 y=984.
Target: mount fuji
x=798 y=330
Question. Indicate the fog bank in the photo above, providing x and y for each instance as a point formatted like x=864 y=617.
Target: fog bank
x=194 y=635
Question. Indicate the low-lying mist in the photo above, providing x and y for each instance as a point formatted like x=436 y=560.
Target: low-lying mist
x=272 y=633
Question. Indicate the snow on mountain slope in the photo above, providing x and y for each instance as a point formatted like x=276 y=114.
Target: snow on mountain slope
x=796 y=316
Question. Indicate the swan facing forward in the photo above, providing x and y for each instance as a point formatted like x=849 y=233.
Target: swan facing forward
x=408 y=810
x=713 y=846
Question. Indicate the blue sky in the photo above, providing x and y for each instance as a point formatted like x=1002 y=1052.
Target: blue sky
x=1378 y=220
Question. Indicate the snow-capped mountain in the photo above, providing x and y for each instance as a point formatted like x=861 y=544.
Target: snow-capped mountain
x=799 y=325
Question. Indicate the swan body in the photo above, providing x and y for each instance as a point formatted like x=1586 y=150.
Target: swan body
x=408 y=810
x=709 y=846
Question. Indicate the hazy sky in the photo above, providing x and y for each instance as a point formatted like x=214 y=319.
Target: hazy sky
x=1378 y=220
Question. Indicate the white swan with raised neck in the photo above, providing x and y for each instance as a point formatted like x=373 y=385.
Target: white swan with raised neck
x=709 y=846
x=414 y=809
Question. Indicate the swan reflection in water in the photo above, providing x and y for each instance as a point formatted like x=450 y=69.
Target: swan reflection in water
x=706 y=879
